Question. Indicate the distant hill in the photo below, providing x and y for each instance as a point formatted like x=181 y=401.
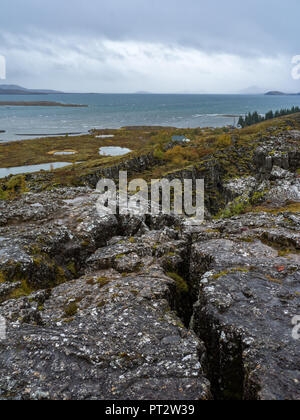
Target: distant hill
x=19 y=90
x=277 y=93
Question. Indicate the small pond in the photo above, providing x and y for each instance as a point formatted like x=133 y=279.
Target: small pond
x=113 y=151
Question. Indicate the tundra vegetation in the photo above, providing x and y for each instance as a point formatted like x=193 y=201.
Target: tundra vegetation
x=231 y=148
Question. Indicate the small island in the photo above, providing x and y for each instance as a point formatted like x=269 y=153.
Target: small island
x=40 y=103
x=278 y=93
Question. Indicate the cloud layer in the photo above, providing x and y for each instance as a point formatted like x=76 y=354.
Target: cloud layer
x=158 y=46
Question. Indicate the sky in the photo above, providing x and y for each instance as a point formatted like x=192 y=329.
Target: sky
x=159 y=46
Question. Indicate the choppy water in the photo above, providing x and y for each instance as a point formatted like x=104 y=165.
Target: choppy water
x=114 y=111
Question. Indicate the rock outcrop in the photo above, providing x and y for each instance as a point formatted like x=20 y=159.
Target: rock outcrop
x=119 y=307
x=249 y=294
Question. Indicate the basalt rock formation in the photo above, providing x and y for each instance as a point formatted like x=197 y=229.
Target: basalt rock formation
x=117 y=307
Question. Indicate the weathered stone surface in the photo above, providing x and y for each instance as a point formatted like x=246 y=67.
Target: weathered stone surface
x=120 y=342
x=241 y=186
x=248 y=296
x=46 y=247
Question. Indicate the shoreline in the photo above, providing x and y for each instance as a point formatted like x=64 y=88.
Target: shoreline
x=40 y=103
x=51 y=135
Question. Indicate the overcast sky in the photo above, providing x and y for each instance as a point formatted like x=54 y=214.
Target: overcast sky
x=174 y=46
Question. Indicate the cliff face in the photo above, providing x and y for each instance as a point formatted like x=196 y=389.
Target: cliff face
x=149 y=307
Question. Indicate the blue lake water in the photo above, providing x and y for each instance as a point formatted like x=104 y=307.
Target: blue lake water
x=4 y=172
x=115 y=111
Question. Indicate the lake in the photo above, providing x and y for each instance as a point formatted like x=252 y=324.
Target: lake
x=116 y=110
x=4 y=172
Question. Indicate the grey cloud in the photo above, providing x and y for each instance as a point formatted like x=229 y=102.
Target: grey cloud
x=251 y=26
x=156 y=45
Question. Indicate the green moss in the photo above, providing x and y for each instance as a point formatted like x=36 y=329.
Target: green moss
x=248 y=240
x=284 y=252
x=181 y=284
x=60 y=275
x=257 y=197
x=159 y=154
x=237 y=207
x=72 y=268
x=171 y=254
x=233 y=270
x=240 y=270
x=224 y=140
x=119 y=257
x=23 y=290
x=221 y=274
x=35 y=250
x=3 y=194
x=13 y=272
x=273 y=280
x=71 y=309
x=69 y=320
x=103 y=281
x=2 y=277
x=15 y=186
x=38 y=261
x=134 y=292
x=291 y=208
x=288 y=251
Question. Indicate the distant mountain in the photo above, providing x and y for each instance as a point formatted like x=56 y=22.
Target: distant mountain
x=19 y=90
x=11 y=87
x=277 y=93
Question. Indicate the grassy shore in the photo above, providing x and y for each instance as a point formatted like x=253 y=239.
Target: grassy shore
x=86 y=148
x=206 y=145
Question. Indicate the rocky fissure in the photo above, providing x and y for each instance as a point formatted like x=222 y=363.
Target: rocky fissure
x=143 y=307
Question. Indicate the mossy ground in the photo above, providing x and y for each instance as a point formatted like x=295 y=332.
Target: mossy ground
x=290 y=208
x=204 y=142
x=231 y=149
x=13 y=187
x=23 y=290
x=38 y=151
